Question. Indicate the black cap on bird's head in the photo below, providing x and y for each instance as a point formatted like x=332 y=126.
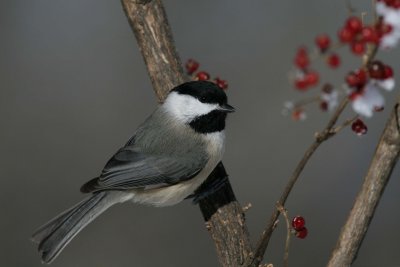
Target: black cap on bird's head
x=206 y=92
x=200 y=104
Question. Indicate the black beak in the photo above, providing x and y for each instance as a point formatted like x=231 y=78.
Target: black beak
x=226 y=108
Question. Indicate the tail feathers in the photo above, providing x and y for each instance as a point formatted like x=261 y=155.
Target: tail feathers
x=57 y=233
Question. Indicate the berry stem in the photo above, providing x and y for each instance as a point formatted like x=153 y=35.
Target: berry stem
x=346 y=123
x=324 y=135
x=350 y=9
x=284 y=212
x=306 y=101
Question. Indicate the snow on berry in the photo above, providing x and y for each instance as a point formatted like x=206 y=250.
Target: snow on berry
x=390 y=13
x=365 y=101
x=329 y=99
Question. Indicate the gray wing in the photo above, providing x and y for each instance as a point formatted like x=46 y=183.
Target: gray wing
x=129 y=169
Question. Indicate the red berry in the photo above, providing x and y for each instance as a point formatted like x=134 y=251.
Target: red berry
x=354 y=24
x=298 y=114
x=323 y=105
x=356 y=79
x=369 y=35
x=298 y=223
x=221 y=83
x=302 y=233
x=312 y=78
x=361 y=76
x=301 y=60
x=327 y=88
x=388 y=72
x=345 y=35
x=359 y=127
x=334 y=60
x=301 y=84
x=351 y=80
x=191 y=66
x=376 y=70
x=323 y=42
x=358 y=47
x=354 y=95
x=202 y=76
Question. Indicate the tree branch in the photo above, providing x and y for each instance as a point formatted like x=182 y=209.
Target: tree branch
x=380 y=169
x=328 y=132
x=223 y=214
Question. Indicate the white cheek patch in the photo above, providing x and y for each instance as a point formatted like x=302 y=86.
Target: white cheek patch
x=185 y=107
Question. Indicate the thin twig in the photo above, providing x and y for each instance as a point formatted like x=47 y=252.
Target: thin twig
x=327 y=133
x=324 y=135
x=382 y=164
x=283 y=211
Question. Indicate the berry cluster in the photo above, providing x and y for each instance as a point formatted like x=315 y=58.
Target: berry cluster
x=298 y=224
x=192 y=66
x=358 y=36
x=306 y=78
x=363 y=85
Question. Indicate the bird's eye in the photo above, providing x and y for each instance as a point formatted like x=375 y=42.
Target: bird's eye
x=203 y=99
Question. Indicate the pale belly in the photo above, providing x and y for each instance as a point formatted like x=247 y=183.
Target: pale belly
x=174 y=194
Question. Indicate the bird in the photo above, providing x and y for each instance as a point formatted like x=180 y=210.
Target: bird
x=168 y=157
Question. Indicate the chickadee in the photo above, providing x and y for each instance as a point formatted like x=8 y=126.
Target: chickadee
x=170 y=156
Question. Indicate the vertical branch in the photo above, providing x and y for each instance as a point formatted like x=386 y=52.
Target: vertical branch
x=380 y=169
x=223 y=214
x=153 y=34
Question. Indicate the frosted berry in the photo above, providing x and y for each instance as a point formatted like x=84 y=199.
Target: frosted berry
x=202 y=76
x=221 y=83
x=333 y=60
x=376 y=70
x=345 y=35
x=298 y=223
x=358 y=47
x=359 y=127
x=354 y=24
x=312 y=78
x=302 y=233
x=323 y=42
x=191 y=66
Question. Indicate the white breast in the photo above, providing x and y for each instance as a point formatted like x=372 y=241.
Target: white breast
x=174 y=194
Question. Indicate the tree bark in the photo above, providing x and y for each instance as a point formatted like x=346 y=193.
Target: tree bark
x=381 y=167
x=223 y=214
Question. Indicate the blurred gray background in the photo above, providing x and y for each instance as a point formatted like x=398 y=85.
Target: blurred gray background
x=74 y=88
